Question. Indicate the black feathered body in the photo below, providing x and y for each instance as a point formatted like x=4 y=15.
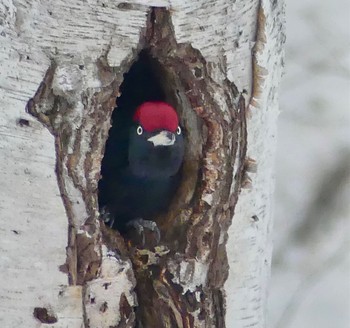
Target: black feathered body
x=139 y=179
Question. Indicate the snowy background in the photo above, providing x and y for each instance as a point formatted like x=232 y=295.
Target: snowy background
x=310 y=284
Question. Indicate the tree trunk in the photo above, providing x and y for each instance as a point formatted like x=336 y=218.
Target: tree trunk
x=63 y=61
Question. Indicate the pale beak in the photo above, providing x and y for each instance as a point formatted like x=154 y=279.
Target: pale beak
x=163 y=138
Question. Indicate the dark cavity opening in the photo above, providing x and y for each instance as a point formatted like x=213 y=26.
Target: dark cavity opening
x=145 y=81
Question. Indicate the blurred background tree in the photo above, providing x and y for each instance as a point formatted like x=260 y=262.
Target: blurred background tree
x=310 y=285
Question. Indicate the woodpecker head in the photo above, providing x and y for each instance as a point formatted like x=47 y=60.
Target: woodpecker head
x=156 y=146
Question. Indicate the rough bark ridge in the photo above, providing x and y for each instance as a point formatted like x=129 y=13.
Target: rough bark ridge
x=69 y=60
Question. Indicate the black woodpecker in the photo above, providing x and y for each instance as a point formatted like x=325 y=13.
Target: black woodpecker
x=141 y=174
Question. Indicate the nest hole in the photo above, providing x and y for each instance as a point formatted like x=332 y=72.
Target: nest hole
x=146 y=80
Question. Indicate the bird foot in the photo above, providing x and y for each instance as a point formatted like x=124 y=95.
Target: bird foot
x=140 y=225
x=106 y=216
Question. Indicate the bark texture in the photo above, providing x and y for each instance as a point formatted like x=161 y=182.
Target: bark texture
x=64 y=63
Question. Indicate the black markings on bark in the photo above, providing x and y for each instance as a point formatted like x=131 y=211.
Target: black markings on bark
x=23 y=122
x=44 y=315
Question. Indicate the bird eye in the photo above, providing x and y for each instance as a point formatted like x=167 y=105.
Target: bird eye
x=178 y=131
x=139 y=130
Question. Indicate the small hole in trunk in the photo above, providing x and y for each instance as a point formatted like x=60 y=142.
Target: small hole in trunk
x=121 y=196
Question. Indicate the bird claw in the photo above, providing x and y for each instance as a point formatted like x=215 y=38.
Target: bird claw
x=106 y=217
x=140 y=224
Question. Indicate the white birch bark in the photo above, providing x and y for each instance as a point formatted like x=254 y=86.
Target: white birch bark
x=240 y=41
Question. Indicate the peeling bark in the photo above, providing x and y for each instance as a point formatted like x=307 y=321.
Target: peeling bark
x=76 y=76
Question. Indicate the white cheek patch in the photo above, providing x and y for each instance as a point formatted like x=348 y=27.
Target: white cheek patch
x=162 y=139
